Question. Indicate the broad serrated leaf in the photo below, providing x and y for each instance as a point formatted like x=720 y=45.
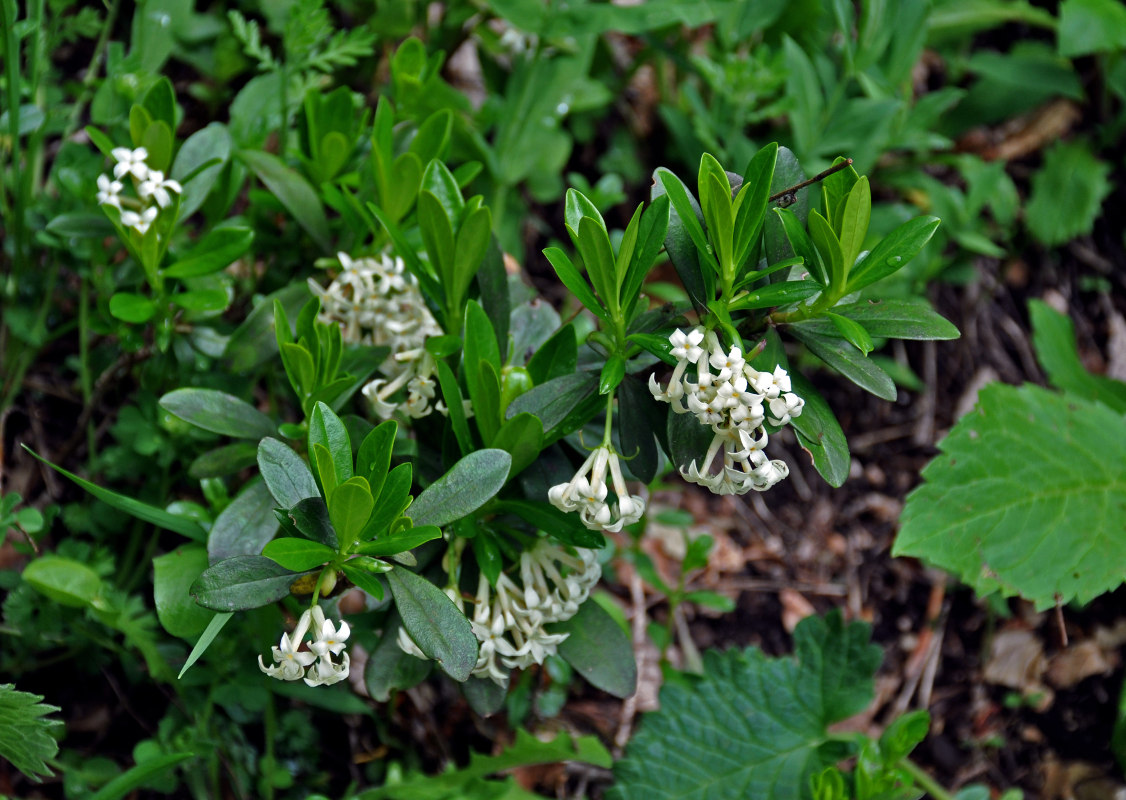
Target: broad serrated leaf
x=1053 y=336
x=1067 y=193
x=434 y=622
x=753 y=726
x=218 y=412
x=1025 y=498
x=25 y=736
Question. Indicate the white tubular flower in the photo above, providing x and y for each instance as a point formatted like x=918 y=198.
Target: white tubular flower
x=130 y=162
x=326 y=672
x=290 y=660
x=588 y=495
x=728 y=364
x=156 y=187
x=328 y=639
x=109 y=191
x=139 y=222
x=686 y=346
x=784 y=408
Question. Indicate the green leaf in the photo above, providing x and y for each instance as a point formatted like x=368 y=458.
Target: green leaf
x=142 y=511
x=451 y=395
x=133 y=308
x=440 y=182
x=612 y=373
x=173 y=575
x=437 y=238
x=67 y=582
x=350 y=508
x=715 y=198
x=139 y=775
x=393 y=500
x=893 y=319
x=522 y=437
x=893 y=252
x=202 y=300
x=241 y=583
x=25 y=736
x=554 y=401
x=776 y=294
x=854 y=223
x=689 y=223
x=298 y=555
x=846 y=359
x=389 y=668
x=639 y=416
x=218 y=412
x=903 y=735
x=374 y=456
x=484 y=697
x=311 y=519
x=571 y=278
x=326 y=429
x=199 y=164
x=1024 y=499
x=213 y=628
x=820 y=434
x=1091 y=26
x=244 y=526
x=802 y=246
x=852 y=331
x=365 y=579
x=1053 y=336
x=471 y=243
x=829 y=249
x=680 y=243
x=401 y=542
x=217 y=251
x=434 y=622
x=598 y=256
x=1067 y=193
x=225 y=460
x=599 y=650
x=286 y=473
x=468 y=485
x=293 y=191
x=560 y=525
x=556 y=357
x=576 y=206
x=771 y=715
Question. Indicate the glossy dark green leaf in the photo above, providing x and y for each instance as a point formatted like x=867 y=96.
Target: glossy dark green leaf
x=554 y=401
x=558 y=524
x=217 y=251
x=638 y=417
x=142 y=511
x=374 y=456
x=349 y=507
x=487 y=555
x=218 y=412
x=857 y=212
x=556 y=357
x=802 y=246
x=438 y=628
x=241 y=583
x=612 y=373
x=829 y=249
x=401 y=542
x=894 y=319
x=451 y=395
x=366 y=580
x=893 y=252
x=688 y=440
x=576 y=206
x=776 y=294
x=820 y=434
x=599 y=650
x=522 y=437
x=286 y=473
x=570 y=276
x=311 y=519
x=298 y=555
x=846 y=359
x=393 y=500
x=245 y=525
x=852 y=331
x=173 y=575
x=680 y=247
x=389 y=668
x=131 y=307
x=293 y=191
x=469 y=484
x=326 y=429
x=225 y=460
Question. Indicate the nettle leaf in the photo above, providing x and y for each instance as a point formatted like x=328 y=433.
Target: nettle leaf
x=753 y=726
x=1025 y=499
x=1053 y=336
x=1067 y=193
x=218 y=412
x=25 y=736
x=599 y=650
x=434 y=622
x=469 y=484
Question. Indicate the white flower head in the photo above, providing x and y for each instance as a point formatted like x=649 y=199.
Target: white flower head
x=130 y=162
x=140 y=222
x=109 y=192
x=158 y=188
x=315 y=664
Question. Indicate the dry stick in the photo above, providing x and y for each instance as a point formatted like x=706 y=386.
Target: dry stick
x=820 y=176
x=637 y=627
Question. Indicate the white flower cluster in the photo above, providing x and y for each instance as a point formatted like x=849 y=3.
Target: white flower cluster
x=154 y=191
x=735 y=401
x=377 y=302
x=509 y=619
x=587 y=495
x=291 y=663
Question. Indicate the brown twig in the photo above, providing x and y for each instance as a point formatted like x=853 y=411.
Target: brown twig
x=637 y=628
x=820 y=176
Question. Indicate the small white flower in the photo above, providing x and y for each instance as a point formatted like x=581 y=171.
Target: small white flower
x=130 y=162
x=686 y=346
x=109 y=191
x=139 y=222
x=785 y=408
x=326 y=672
x=327 y=637
x=289 y=658
x=156 y=187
